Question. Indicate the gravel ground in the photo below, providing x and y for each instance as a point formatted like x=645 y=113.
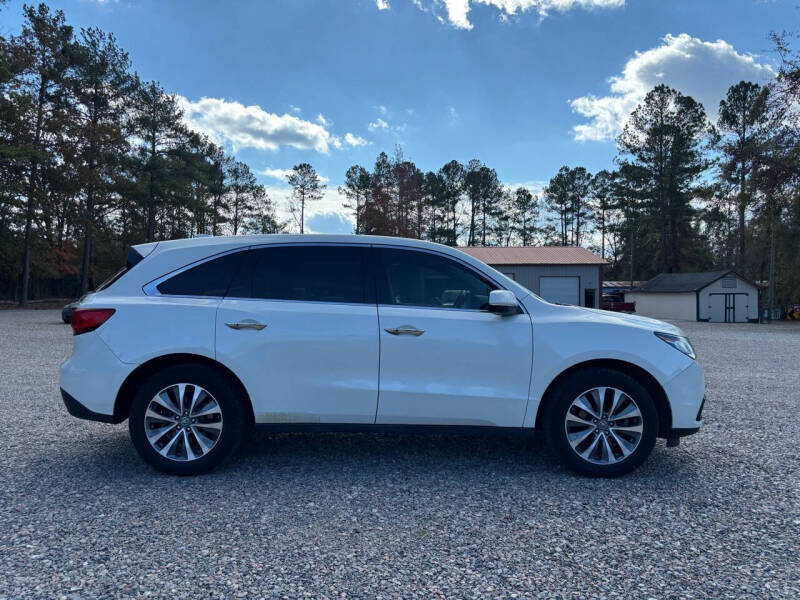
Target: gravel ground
x=404 y=515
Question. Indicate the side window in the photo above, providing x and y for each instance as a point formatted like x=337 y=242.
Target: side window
x=210 y=278
x=422 y=279
x=310 y=273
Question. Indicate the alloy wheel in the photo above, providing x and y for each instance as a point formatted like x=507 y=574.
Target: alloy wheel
x=183 y=422
x=604 y=425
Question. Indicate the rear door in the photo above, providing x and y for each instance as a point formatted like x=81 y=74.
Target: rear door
x=301 y=331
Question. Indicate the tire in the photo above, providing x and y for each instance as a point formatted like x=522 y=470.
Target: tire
x=622 y=444
x=219 y=426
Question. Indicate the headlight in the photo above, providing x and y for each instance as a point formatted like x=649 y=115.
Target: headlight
x=678 y=342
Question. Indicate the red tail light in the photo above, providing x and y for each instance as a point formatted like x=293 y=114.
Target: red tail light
x=85 y=320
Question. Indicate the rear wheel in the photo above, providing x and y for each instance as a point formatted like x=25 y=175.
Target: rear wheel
x=601 y=422
x=187 y=419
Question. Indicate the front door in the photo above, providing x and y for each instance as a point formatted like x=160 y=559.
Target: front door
x=445 y=359
x=300 y=329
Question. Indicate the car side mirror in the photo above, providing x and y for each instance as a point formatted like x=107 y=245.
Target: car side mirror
x=503 y=302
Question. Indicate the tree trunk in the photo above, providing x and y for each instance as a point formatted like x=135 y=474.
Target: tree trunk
x=633 y=248
x=29 y=209
x=771 y=296
x=302 y=213
x=741 y=262
x=471 y=240
x=483 y=225
x=603 y=234
x=87 y=242
x=151 y=191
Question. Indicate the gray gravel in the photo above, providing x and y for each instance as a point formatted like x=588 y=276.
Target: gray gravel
x=403 y=515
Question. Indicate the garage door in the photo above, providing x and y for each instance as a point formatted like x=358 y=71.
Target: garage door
x=564 y=290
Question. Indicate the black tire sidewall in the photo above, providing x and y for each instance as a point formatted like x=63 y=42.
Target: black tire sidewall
x=570 y=388
x=218 y=385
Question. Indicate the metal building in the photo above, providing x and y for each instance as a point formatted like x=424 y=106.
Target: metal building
x=716 y=296
x=565 y=274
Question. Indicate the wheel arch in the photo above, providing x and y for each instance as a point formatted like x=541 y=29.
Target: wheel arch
x=638 y=373
x=122 y=403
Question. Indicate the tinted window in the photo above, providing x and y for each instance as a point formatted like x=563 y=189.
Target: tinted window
x=210 y=278
x=423 y=279
x=310 y=273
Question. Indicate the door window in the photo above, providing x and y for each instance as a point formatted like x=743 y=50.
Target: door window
x=410 y=278
x=306 y=273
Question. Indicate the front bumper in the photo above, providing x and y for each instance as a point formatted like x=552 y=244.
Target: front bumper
x=686 y=395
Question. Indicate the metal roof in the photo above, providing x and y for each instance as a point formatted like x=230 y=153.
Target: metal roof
x=684 y=282
x=531 y=255
x=621 y=283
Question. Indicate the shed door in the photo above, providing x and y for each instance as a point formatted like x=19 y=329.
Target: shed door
x=564 y=290
x=742 y=308
x=716 y=308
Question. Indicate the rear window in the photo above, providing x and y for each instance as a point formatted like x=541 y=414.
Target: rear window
x=210 y=278
x=134 y=257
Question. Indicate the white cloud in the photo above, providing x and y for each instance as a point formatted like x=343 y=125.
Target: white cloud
x=452 y=115
x=458 y=10
x=323 y=121
x=378 y=124
x=703 y=70
x=382 y=4
x=281 y=174
x=383 y=110
x=457 y=13
x=354 y=140
x=295 y=109
x=252 y=127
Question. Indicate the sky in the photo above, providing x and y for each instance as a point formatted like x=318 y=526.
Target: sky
x=526 y=86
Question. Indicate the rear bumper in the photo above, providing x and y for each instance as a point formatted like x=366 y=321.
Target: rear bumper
x=91 y=379
x=76 y=409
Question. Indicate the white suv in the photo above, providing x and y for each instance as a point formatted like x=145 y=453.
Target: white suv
x=197 y=340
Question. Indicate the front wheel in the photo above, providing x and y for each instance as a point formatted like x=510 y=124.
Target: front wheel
x=187 y=419
x=601 y=422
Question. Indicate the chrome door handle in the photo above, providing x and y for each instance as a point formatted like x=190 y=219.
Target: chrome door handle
x=405 y=330
x=248 y=324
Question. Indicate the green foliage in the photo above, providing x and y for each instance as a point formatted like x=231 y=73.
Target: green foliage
x=93 y=160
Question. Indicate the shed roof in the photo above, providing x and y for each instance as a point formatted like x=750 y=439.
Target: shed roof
x=684 y=282
x=532 y=255
x=621 y=283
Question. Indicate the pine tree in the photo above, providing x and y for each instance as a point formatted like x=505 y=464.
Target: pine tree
x=306 y=187
x=664 y=137
x=525 y=214
x=744 y=126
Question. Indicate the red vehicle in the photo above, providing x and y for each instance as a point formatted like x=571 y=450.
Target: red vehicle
x=616 y=303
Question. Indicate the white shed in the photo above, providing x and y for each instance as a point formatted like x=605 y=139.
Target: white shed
x=717 y=296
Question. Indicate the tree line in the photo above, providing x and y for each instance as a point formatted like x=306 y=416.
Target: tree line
x=686 y=194
x=93 y=159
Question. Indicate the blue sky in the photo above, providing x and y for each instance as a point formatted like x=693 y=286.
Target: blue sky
x=524 y=85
